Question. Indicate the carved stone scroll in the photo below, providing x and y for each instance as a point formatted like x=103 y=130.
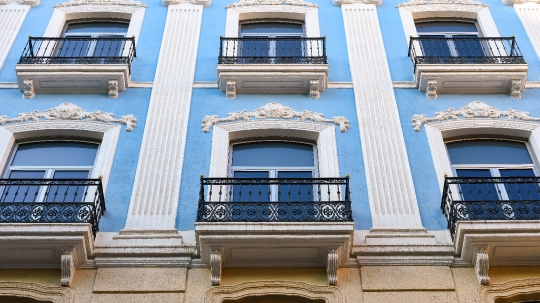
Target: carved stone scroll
x=431 y=91
x=272 y=111
x=68 y=268
x=215 y=267
x=231 y=89
x=314 y=89
x=113 y=89
x=482 y=267
x=332 y=267
x=28 y=89
x=515 y=89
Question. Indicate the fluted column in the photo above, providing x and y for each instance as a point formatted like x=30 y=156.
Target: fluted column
x=154 y=200
x=529 y=14
x=391 y=192
x=11 y=19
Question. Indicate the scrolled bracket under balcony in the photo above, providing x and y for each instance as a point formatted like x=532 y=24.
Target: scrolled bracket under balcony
x=498 y=216
x=468 y=65
x=272 y=66
x=75 y=65
x=275 y=222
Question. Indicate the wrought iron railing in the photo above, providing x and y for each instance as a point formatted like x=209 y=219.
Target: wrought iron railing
x=274 y=200
x=466 y=50
x=473 y=199
x=272 y=51
x=72 y=50
x=52 y=201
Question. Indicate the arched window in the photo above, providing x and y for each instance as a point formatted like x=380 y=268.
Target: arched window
x=86 y=46
x=450 y=39
x=271 y=39
x=13 y=299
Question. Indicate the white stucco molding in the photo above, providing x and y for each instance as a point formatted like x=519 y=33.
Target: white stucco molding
x=32 y=3
x=194 y=2
x=529 y=14
x=12 y=16
x=275 y=110
x=341 y=2
x=285 y=288
x=476 y=118
x=102 y=9
x=36 y=291
x=264 y=9
x=64 y=123
x=511 y=291
x=323 y=134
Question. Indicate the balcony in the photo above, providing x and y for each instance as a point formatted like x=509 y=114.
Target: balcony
x=468 y=65
x=500 y=216
x=274 y=222
x=44 y=219
x=272 y=65
x=75 y=65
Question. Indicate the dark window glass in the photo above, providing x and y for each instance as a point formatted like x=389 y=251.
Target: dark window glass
x=488 y=152
x=60 y=153
x=273 y=154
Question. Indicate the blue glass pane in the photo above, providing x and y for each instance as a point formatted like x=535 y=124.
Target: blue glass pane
x=65 y=153
x=108 y=48
x=73 y=48
x=272 y=28
x=98 y=27
x=520 y=191
x=488 y=152
x=467 y=47
x=295 y=192
x=446 y=27
x=251 y=192
x=273 y=154
x=22 y=193
x=435 y=47
x=289 y=48
x=254 y=48
x=477 y=191
x=67 y=193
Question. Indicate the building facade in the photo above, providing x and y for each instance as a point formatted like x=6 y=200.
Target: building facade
x=269 y=151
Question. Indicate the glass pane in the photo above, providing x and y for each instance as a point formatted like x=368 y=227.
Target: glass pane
x=251 y=192
x=55 y=154
x=289 y=47
x=273 y=154
x=74 y=47
x=254 y=48
x=446 y=27
x=488 y=152
x=477 y=191
x=467 y=46
x=436 y=47
x=521 y=191
x=272 y=28
x=109 y=48
x=71 y=193
x=98 y=27
x=22 y=193
x=295 y=192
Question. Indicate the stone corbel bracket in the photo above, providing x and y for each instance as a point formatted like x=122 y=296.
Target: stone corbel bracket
x=70 y=111
x=215 y=267
x=481 y=266
x=32 y=3
x=332 y=267
x=67 y=265
x=341 y=2
x=475 y=109
x=273 y=111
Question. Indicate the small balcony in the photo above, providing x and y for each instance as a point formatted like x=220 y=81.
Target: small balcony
x=498 y=215
x=43 y=219
x=468 y=65
x=274 y=222
x=75 y=65
x=272 y=65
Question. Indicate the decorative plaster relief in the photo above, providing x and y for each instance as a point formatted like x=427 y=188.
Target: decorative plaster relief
x=215 y=267
x=271 y=2
x=475 y=109
x=515 y=91
x=68 y=268
x=443 y=2
x=332 y=267
x=314 y=89
x=70 y=111
x=113 y=89
x=32 y=3
x=481 y=266
x=28 y=89
x=101 y=2
x=274 y=111
x=36 y=291
x=510 y=291
x=231 y=89
x=431 y=91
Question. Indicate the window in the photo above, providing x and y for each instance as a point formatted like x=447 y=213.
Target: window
x=490 y=158
x=49 y=160
x=273 y=159
x=271 y=39
x=84 y=44
x=449 y=38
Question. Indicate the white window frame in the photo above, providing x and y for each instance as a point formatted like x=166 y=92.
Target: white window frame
x=437 y=133
x=108 y=134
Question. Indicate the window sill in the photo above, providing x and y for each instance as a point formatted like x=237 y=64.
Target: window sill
x=72 y=78
x=272 y=79
x=471 y=78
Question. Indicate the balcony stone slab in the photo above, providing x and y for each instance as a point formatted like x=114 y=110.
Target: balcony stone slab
x=272 y=79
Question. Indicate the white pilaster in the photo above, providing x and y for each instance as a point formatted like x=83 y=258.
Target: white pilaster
x=391 y=192
x=11 y=19
x=154 y=200
x=529 y=14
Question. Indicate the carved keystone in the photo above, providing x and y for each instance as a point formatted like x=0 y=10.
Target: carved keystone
x=314 y=89
x=113 y=89
x=515 y=89
x=482 y=266
x=215 y=267
x=431 y=91
x=332 y=267
x=28 y=89
x=68 y=268
x=231 y=89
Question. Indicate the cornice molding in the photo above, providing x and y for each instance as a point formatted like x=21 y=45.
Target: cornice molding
x=473 y=110
x=271 y=2
x=442 y=2
x=32 y=3
x=70 y=111
x=194 y=2
x=272 y=111
x=100 y=2
x=36 y=291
